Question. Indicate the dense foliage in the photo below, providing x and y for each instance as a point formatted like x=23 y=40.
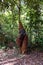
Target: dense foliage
x=30 y=12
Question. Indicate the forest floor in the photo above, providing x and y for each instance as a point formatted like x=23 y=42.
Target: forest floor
x=8 y=58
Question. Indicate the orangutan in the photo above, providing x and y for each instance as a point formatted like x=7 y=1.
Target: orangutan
x=22 y=39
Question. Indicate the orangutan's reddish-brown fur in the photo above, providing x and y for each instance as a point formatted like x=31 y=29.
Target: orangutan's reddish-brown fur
x=22 y=39
x=23 y=45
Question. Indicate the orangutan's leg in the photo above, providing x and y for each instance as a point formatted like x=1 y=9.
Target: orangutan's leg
x=24 y=45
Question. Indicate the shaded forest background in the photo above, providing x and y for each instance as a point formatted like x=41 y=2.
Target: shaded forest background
x=30 y=12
